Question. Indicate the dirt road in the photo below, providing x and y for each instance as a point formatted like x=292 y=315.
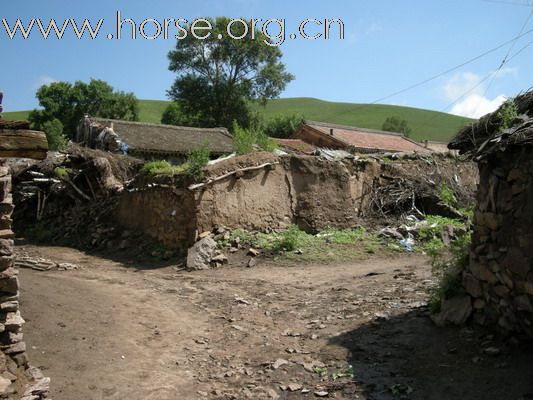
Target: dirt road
x=357 y=330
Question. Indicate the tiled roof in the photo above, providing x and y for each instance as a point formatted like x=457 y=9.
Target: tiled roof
x=368 y=139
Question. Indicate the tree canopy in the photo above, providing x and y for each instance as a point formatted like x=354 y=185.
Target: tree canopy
x=218 y=76
x=67 y=103
x=396 y=124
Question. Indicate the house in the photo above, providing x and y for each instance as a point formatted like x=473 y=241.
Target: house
x=151 y=141
x=360 y=140
x=499 y=277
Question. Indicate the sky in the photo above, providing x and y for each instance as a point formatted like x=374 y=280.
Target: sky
x=388 y=45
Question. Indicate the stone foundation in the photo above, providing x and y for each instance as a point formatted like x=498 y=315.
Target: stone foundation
x=500 y=275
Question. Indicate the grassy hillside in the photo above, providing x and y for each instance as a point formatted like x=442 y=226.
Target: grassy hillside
x=426 y=124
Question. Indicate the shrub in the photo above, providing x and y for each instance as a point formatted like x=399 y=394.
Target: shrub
x=172 y=115
x=507 y=114
x=447 y=195
x=197 y=159
x=282 y=126
x=54 y=134
x=248 y=140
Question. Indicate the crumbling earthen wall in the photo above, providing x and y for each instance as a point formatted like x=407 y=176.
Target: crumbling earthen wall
x=310 y=192
x=17 y=379
x=500 y=275
x=164 y=213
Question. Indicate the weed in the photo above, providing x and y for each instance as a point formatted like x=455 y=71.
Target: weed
x=196 y=161
x=507 y=114
x=164 y=168
x=320 y=371
x=248 y=140
x=347 y=373
x=447 y=195
x=61 y=172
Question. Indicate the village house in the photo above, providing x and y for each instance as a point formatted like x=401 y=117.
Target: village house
x=499 y=278
x=360 y=140
x=151 y=141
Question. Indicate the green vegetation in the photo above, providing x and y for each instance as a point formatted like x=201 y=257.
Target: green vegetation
x=396 y=124
x=507 y=114
x=282 y=126
x=430 y=125
x=328 y=245
x=447 y=261
x=54 y=134
x=172 y=115
x=447 y=195
x=164 y=168
x=216 y=87
x=61 y=172
x=194 y=165
x=68 y=103
x=251 y=139
x=197 y=160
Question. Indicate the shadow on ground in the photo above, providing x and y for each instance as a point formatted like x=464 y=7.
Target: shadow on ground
x=408 y=357
x=131 y=257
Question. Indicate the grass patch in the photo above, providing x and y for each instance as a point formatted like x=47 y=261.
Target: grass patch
x=163 y=167
x=326 y=246
x=252 y=139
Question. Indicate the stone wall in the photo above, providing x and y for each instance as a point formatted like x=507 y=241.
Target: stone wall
x=17 y=379
x=500 y=275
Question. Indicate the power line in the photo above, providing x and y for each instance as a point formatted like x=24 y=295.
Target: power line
x=504 y=61
x=451 y=69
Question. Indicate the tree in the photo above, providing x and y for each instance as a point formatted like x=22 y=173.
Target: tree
x=396 y=124
x=217 y=78
x=283 y=126
x=54 y=134
x=173 y=115
x=68 y=103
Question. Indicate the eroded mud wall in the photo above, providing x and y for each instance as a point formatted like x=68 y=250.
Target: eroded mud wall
x=162 y=212
x=500 y=275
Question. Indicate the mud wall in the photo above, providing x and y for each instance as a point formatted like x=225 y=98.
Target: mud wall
x=163 y=212
x=500 y=275
x=304 y=190
x=17 y=379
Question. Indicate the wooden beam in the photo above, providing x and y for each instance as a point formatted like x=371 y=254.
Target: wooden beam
x=22 y=143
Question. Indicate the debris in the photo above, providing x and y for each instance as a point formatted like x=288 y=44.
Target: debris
x=321 y=393
x=390 y=233
x=253 y=252
x=251 y=263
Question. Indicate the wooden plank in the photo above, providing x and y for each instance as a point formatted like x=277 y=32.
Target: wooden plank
x=22 y=144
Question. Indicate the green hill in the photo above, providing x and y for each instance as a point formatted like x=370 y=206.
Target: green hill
x=426 y=124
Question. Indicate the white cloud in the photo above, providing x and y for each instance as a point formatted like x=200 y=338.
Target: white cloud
x=44 y=80
x=475 y=105
x=468 y=90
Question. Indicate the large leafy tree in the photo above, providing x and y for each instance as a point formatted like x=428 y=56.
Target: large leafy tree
x=67 y=103
x=219 y=76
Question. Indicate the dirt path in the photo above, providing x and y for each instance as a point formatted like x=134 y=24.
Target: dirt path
x=108 y=331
